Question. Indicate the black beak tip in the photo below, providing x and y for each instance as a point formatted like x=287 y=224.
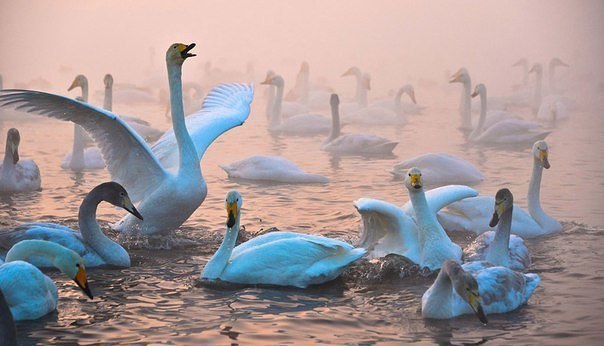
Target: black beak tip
x=137 y=214
x=86 y=289
x=494 y=220
x=481 y=315
x=417 y=186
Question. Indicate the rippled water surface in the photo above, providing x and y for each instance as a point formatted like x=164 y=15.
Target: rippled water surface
x=157 y=301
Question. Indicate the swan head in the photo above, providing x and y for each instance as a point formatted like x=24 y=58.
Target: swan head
x=353 y=71
x=12 y=144
x=178 y=52
x=115 y=194
x=79 y=81
x=479 y=89
x=72 y=265
x=408 y=88
x=557 y=62
x=461 y=76
x=541 y=153
x=504 y=201
x=233 y=207
x=537 y=68
x=521 y=62
x=413 y=179
x=466 y=286
x=108 y=80
x=273 y=79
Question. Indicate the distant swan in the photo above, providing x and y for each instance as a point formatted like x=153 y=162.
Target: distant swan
x=277 y=258
x=306 y=94
x=550 y=108
x=396 y=105
x=288 y=107
x=473 y=214
x=29 y=293
x=360 y=97
x=353 y=143
x=90 y=242
x=170 y=171
x=17 y=175
x=271 y=168
x=441 y=169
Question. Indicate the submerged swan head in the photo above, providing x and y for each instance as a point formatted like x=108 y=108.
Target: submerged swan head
x=504 y=201
x=108 y=80
x=12 y=144
x=413 y=180
x=273 y=79
x=353 y=71
x=79 y=81
x=178 y=52
x=540 y=153
x=466 y=286
x=479 y=89
x=233 y=207
x=115 y=194
x=461 y=76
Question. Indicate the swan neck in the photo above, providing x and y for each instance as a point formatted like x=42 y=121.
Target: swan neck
x=23 y=250
x=8 y=158
x=483 y=114
x=219 y=261
x=466 y=105
x=534 y=203
x=276 y=113
x=538 y=90
x=429 y=228
x=270 y=102
x=441 y=292
x=77 y=151
x=108 y=101
x=363 y=96
x=397 y=100
x=525 y=74
x=335 y=123
x=498 y=252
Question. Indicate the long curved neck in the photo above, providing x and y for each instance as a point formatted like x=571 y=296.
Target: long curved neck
x=79 y=143
x=441 y=295
x=219 y=261
x=270 y=102
x=552 y=77
x=538 y=90
x=8 y=164
x=276 y=112
x=189 y=161
x=483 y=114
x=108 y=101
x=398 y=106
x=465 y=106
x=498 y=252
x=525 y=74
x=303 y=85
x=335 y=123
x=27 y=248
x=534 y=203
x=429 y=228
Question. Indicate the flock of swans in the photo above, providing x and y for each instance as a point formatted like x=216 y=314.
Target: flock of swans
x=486 y=277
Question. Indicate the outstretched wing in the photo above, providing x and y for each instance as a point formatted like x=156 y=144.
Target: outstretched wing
x=128 y=158
x=226 y=106
x=440 y=197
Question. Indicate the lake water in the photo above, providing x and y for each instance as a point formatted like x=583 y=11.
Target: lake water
x=157 y=301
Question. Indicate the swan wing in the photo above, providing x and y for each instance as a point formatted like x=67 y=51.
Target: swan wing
x=226 y=106
x=441 y=197
x=128 y=158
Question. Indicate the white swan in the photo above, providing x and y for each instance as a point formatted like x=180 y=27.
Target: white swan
x=460 y=290
x=473 y=214
x=551 y=108
x=553 y=64
x=80 y=157
x=505 y=132
x=141 y=127
x=277 y=258
x=271 y=168
x=300 y=124
x=17 y=175
x=353 y=143
x=396 y=105
x=411 y=231
x=360 y=97
x=288 y=107
x=171 y=170
x=95 y=248
x=306 y=94
x=465 y=105
x=500 y=248
x=441 y=169
x=29 y=293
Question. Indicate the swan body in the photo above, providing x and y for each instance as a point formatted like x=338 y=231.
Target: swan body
x=29 y=293
x=354 y=143
x=473 y=214
x=17 y=175
x=271 y=168
x=551 y=107
x=278 y=258
x=460 y=290
x=441 y=169
x=95 y=248
x=169 y=171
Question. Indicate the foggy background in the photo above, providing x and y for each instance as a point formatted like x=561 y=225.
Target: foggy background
x=395 y=41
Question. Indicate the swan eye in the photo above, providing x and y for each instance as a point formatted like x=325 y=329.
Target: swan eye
x=77 y=265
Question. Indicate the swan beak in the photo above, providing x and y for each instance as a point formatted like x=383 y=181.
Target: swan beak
x=498 y=211
x=347 y=73
x=14 y=149
x=231 y=212
x=455 y=78
x=130 y=208
x=533 y=69
x=267 y=81
x=412 y=96
x=474 y=301
x=184 y=50
x=543 y=158
x=80 y=279
x=416 y=180
x=74 y=84
x=475 y=93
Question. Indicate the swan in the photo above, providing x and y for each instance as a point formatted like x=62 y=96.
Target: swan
x=500 y=248
x=465 y=106
x=553 y=64
x=17 y=175
x=29 y=293
x=288 y=107
x=277 y=258
x=353 y=143
x=304 y=93
x=271 y=168
x=505 y=132
x=8 y=330
x=300 y=124
x=460 y=290
x=170 y=170
x=411 y=231
x=95 y=248
x=473 y=214
x=360 y=97
x=397 y=106
x=141 y=127
x=551 y=108
x=80 y=157
x=441 y=169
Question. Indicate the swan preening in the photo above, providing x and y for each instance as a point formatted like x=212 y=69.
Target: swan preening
x=17 y=175
x=271 y=169
x=29 y=293
x=90 y=243
x=277 y=258
x=168 y=171
x=473 y=214
x=439 y=169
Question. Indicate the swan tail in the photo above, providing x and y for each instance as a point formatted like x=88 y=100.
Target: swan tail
x=331 y=267
x=532 y=281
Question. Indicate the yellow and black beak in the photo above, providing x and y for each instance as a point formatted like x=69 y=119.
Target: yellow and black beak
x=231 y=214
x=543 y=158
x=416 y=180
x=127 y=204
x=474 y=301
x=74 y=84
x=498 y=211
x=80 y=279
x=184 y=50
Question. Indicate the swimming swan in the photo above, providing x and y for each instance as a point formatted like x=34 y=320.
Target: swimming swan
x=396 y=105
x=473 y=214
x=277 y=258
x=29 y=293
x=170 y=170
x=551 y=108
x=372 y=115
x=17 y=175
x=8 y=330
x=460 y=290
x=90 y=243
x=271 y=168
x=441 y=169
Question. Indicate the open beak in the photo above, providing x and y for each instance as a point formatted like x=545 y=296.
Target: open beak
x=416 y=181
x=232 y=214
x=474 y=301
x=130 y=208
x=80 y=279
x=184 y=52
x=543 y=158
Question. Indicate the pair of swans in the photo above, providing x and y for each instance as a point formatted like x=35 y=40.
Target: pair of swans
x=288 y=108
x=271 y=169
x=303 y=92
x=553 y=107
x=29 y=293
x=277 y=258
x=90 y=243
x=170 y=170
x=17 y=175
x=396 y=105
x=473 y=214
x=441 y=169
